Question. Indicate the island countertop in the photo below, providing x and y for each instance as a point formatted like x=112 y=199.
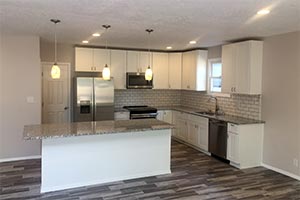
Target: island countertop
x=44 y=131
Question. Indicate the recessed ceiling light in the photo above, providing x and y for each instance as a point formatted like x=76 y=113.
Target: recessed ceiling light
x=96 y=34
x=85 y=41
x=263 y=12
x=193 y=42
x=169 y=47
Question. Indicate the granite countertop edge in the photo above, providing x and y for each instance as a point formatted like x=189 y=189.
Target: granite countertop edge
x=227 y=118
x=113 y=130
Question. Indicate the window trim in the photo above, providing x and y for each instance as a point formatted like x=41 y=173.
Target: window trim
x=210 y=62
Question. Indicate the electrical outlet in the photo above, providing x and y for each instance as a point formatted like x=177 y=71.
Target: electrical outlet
x=296 y=162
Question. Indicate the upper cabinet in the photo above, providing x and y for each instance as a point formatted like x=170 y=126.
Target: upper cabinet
x=84 y=59
x=160 y=71
x=242 y=67
x=118 y=68
x=101 y=58
x=175 y=69
x=194 y=70
x=138 y=61
x=91 y=60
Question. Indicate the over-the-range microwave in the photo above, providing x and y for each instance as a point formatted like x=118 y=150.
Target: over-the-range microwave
x=137 y=81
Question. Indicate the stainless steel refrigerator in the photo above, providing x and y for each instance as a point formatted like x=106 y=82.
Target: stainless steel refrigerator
x=94 y=99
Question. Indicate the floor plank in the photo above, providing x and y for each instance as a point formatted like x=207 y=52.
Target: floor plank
x=194 y=176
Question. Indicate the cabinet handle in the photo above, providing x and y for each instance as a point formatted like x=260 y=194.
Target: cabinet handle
x=92 y=68
x=231 y=89
x=234 y=89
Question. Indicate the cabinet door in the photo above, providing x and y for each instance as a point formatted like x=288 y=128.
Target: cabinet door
x=192 y=70
x=193 y=133
x=228 y=68
x=203 y=134
x=144 y=59
x=233 y=147
x=200 y=74
x=160 y=71
x=183 y=129
x=132 y=61
x=168 y=116
x=186 y=65
x=101 y=58
x=84 y=59
x=121 y=115
x=118 y=68
x=175 y=69
x=242 y=74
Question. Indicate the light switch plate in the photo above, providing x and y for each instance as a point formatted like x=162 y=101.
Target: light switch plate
x=30 y=99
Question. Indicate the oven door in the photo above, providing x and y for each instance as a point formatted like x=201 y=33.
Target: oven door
x=138 y=81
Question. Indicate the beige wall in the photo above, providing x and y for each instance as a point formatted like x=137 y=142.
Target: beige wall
x=65 y=52
x=281 y=102
x=20 y=78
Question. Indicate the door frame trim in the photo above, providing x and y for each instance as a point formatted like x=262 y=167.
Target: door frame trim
x=68 y=88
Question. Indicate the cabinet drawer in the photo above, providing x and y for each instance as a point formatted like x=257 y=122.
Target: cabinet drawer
x=198 y=119
x=233 y=128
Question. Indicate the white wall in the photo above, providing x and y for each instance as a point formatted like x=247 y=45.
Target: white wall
x=281 y=101
x=20 y=78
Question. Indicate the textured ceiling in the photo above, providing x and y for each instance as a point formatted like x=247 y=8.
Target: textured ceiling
x=175 y=22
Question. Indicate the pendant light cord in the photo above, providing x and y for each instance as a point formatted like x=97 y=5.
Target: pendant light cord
x=106 y=28
x=149 y=32
x=55 y=45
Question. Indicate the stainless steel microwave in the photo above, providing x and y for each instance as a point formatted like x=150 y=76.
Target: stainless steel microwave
x=138 y=81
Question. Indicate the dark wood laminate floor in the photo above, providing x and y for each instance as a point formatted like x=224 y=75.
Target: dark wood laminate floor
x=194 y=176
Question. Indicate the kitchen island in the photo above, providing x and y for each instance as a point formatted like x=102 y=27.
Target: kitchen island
x=87 y=153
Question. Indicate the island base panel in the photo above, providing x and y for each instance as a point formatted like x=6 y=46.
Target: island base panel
x=86 y=160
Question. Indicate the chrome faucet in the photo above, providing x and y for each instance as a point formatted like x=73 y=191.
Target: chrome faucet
x=217 y=108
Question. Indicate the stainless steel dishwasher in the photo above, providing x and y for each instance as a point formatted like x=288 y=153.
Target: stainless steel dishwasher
x=218 y=138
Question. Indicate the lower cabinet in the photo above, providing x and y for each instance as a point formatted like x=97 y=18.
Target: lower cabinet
x=245 y=145
x=122 y=116
x=191 y=129
x=165 y=115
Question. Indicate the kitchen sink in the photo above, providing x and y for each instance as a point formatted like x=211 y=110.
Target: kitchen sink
x=206 y=113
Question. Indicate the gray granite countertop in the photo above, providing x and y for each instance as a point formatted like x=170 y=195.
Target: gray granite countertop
x=226 y=118
x=44 y=131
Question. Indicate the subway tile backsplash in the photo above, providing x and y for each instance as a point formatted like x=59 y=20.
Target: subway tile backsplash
x=248 y=106
x=147 y=97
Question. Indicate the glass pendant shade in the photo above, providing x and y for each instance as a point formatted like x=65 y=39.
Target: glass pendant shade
x=106 y=73
x=55 y=71
x=148 y=74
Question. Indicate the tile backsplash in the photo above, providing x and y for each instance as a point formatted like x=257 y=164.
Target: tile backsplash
x=248 y=106
x=147 y=97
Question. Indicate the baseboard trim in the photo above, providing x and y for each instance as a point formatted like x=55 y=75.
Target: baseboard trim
x=294 y=176
x=19 y=158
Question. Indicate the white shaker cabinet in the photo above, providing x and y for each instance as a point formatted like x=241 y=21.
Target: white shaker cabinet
x=101 y=58
x=84 y=59
x=118 y=68
x=165 y=115
x=242 y=67
x=90 y=59
x=160 y=71
x=132 y=61
x=138 y=61
x=194 y=69
x=175 y=68
x=245 y=145
x=122 y=116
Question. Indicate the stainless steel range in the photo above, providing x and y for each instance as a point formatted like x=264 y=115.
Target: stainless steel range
x=141 y=112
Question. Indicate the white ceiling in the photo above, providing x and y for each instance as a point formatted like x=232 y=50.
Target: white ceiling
x=175 y=22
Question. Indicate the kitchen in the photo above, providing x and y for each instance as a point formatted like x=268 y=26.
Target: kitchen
x=185 y=94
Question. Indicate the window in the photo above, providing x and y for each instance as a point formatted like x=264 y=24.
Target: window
x=215 y=75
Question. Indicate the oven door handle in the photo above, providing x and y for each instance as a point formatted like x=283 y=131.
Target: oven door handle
x=148 y=115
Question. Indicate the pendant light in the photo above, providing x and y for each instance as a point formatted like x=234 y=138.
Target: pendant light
x=149 y=73
x=106 y=70
x=55 y=70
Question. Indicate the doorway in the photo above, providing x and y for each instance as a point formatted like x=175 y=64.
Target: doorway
x=56 y=94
